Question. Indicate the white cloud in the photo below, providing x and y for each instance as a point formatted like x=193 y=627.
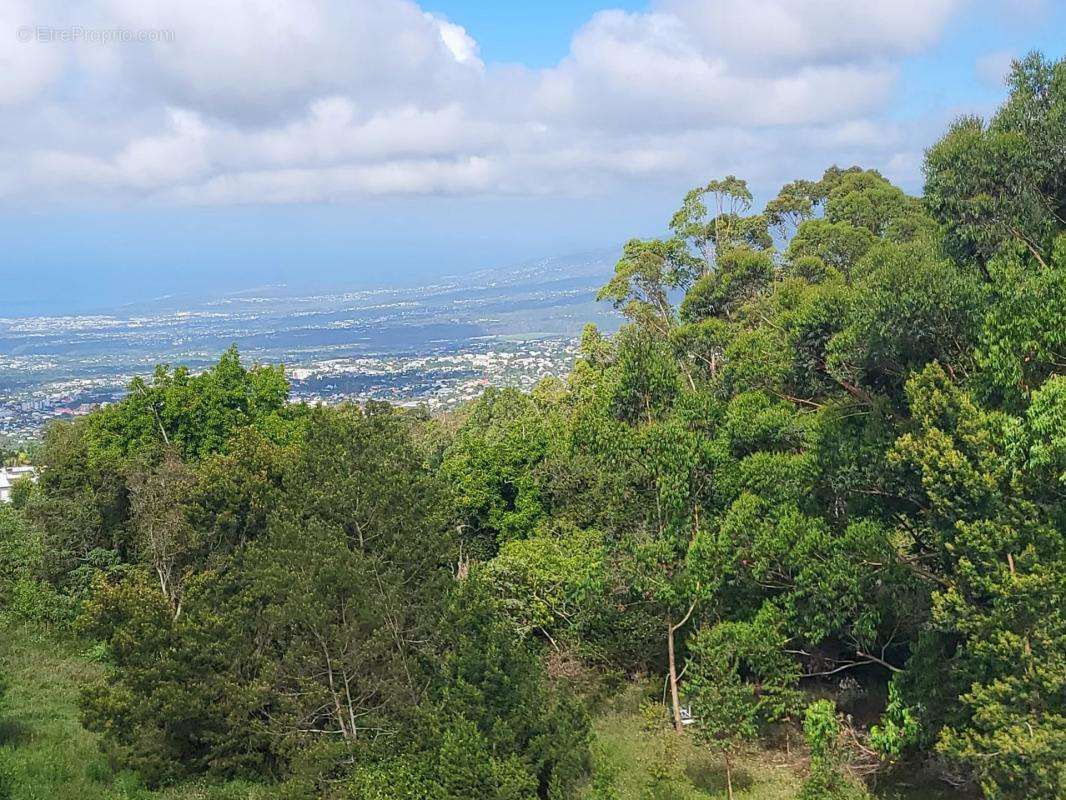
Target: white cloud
x=251 y=60
x=290 y=185
x=25 y=67
x=648 y=71
x=459 y=43
x=765 y=33
x=297 y=101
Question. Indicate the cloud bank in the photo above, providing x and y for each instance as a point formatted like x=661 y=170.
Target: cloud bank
x=288 y=101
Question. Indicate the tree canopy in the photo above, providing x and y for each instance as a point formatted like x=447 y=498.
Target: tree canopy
x=827 y=450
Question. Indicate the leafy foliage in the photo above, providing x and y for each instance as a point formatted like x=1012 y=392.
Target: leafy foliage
x=826 y=781
x=830 y=469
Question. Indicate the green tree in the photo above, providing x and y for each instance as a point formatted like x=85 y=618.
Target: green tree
x=1002 y=184
x=493 y=683
x=168 y=541
x=196 y=413
x=320 y=629
x=826 y=780
x=492 y=466
x=1022 y=342
x=997 y=552
x=712 y=220
x=645 y=277
x=739 y=679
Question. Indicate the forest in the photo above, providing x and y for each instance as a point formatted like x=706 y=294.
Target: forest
x=802 y=516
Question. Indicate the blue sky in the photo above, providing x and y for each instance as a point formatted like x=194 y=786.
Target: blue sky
x=366 y=142
x=536 y=34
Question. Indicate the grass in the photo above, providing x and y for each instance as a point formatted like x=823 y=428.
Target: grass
x=629 y=758
x=632 y=758
x=44 y=750
x=48 y=755
x=635 y=759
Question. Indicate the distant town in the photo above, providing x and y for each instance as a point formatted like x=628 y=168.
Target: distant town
x=437 y=346
x=440 y=382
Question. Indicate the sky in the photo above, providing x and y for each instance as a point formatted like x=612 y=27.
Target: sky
x=152 y=148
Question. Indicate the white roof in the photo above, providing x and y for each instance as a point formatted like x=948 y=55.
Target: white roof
x=9 y=475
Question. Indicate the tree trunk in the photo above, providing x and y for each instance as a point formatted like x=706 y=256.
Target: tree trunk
x=674 y=699
x=728 y=775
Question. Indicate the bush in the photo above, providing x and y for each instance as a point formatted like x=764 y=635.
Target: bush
x=827 y=779
x=34 y=601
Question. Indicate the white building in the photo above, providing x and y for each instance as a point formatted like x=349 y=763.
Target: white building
x=8 y=476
